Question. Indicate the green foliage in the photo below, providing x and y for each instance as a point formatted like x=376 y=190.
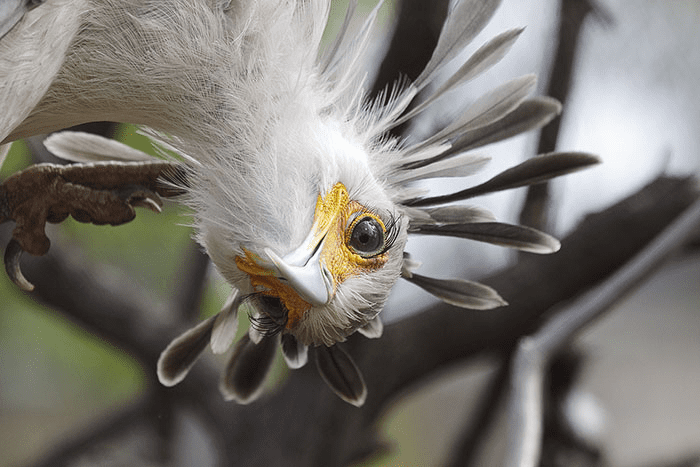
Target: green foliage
x=17 y=159
x=48 y=363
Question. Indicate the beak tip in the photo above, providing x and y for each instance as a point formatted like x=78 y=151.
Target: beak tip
x=308 y=280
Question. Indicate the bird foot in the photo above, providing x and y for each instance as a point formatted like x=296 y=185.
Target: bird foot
x=92 y=193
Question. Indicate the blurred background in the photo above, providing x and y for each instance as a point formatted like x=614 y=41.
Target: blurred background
x=634 y=102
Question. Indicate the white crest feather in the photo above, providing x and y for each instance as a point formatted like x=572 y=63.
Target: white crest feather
x=226 y=324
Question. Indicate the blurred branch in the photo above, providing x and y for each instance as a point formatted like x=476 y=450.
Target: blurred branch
x=107 y=304
x=415 y=349
x=411 y=350
x=534 y=352
x=572 y=15
x=476 y=429
x=192 y=281
x=563 y=443
x=107 y=428
x=601 y=244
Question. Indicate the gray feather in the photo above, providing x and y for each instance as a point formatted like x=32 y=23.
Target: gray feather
x=465 y=20
x=409 y=265
x=347 y=56
x=534 y=170
x=459 y=292
x=4 y=150
x=487 y=109
x=11 y=11
x=177 y=359
x=529 y=115
x=488 y=55
x=341 y=374
x=508 y=235
x=246 y=371
x=331 y=56
x=458 y=214
x=461 y=165
x=295 y=353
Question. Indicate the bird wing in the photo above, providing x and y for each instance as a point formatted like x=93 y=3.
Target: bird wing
x=11 y=11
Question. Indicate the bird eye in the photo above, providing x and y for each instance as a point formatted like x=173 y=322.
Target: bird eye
x=367 y=236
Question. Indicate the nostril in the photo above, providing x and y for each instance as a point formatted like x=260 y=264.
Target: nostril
x=328 y=280
x=315 y=251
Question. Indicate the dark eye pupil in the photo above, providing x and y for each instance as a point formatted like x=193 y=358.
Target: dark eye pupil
x=367 y=236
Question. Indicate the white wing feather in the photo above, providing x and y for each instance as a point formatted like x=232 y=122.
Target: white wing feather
x=76 y=146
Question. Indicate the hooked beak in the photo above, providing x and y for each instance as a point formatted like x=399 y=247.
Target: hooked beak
x=304 y=270
x=304 y=267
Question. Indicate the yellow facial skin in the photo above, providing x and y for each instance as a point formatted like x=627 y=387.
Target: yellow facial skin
x=264 y=281
x=335 y=217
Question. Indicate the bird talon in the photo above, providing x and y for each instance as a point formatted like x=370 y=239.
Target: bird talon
x=154 y=204
x=13 y=253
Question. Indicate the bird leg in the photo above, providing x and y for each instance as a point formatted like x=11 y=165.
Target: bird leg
x=103 y=193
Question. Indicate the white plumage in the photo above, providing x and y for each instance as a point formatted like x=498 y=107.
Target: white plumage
x=299 y=197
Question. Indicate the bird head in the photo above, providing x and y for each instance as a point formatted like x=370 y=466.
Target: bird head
x=327 y=247
x=338 y=278
x=302 y=221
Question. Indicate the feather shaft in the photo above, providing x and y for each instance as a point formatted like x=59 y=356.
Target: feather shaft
x=465 y=20
x=484 y=58
x=534 y=170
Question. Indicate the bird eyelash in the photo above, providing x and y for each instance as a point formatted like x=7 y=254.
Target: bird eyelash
x=392 y=231
x=267 y=323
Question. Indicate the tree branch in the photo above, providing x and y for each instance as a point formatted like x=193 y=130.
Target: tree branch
x=572 y=16
x=107 y=304
x=476 y=429
x=535 y=352
x=303 y=422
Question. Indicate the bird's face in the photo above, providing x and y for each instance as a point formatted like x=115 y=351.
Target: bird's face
x=337 y=279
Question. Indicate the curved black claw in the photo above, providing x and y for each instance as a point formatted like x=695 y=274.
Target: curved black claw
x=13 y=253
x=151 y=202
